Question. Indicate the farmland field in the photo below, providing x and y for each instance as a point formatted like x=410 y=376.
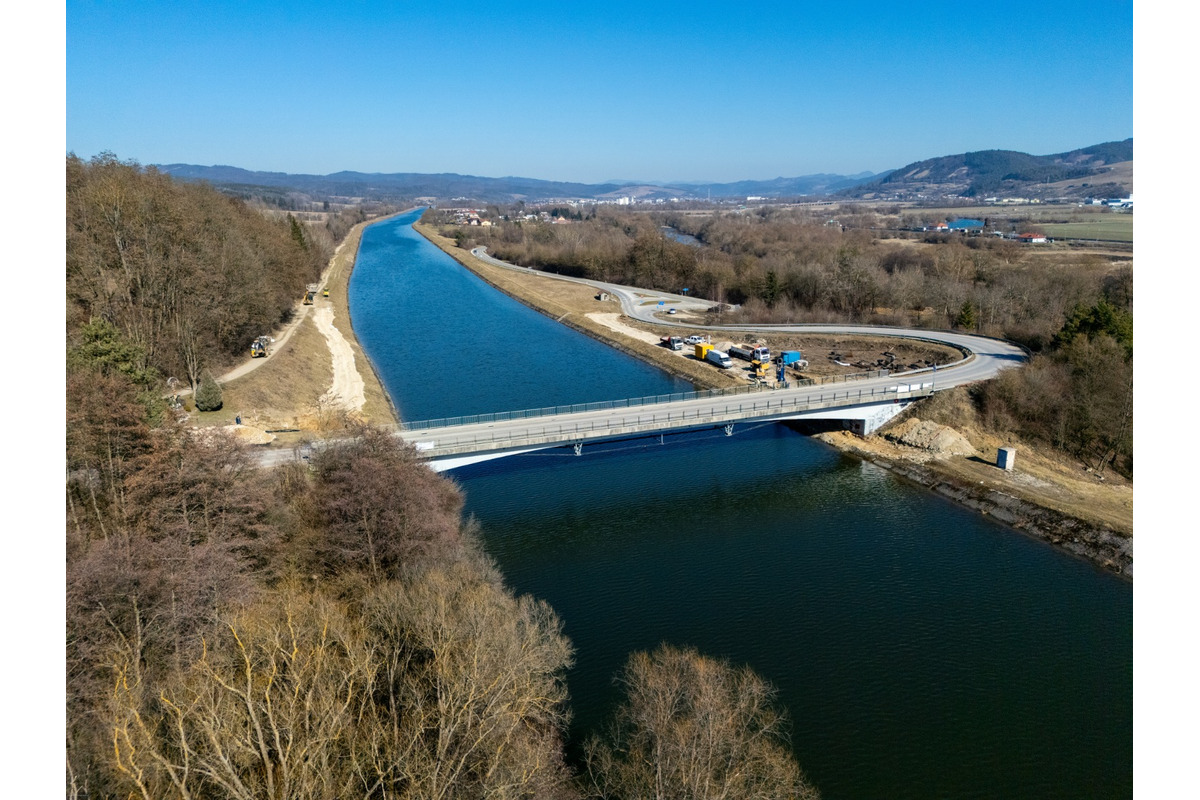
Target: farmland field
x=1113 y=229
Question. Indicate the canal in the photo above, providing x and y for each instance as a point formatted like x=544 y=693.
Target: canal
x=920 y=650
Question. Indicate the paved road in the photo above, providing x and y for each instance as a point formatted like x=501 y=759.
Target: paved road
x=984 y=359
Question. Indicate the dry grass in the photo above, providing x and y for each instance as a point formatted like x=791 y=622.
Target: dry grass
x=285 y=391
x=1042 y=476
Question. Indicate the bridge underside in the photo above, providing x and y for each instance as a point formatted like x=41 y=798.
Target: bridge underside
x=861 y=420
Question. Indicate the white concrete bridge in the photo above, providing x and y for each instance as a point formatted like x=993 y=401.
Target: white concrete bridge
x=862 y=405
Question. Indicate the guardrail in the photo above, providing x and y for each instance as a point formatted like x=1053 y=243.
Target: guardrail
x=633 y=402
x=449 y=443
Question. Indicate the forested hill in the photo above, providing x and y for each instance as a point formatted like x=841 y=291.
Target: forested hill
x=188 y=276
x=1103 y=170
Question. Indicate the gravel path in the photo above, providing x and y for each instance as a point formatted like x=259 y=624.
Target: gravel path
x=347 y=390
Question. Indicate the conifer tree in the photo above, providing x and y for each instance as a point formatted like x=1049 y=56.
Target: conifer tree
x=208 y=396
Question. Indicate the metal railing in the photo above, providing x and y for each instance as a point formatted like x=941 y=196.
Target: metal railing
x=771 y=405
x=632 y=402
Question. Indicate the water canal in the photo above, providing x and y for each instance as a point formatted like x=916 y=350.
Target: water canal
x=921 y=650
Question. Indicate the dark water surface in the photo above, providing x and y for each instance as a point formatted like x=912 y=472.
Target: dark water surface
x=921 y=650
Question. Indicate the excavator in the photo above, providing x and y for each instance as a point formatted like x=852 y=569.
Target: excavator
x=258 y=348
x=310 y=293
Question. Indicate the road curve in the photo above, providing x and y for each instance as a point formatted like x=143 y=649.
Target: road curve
x=983 y=357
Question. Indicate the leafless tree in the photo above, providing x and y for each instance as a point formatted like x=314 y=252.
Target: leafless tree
x=697 y=728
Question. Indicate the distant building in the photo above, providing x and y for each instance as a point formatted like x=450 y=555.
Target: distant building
x=965 y=224
x=1031 y=238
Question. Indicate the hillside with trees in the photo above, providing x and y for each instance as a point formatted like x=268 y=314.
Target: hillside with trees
x=1087 y=172
x=188 y=276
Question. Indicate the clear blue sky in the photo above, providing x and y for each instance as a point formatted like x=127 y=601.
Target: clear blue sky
x=593 y=91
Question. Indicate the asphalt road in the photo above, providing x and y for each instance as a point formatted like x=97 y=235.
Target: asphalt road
x=985 y=358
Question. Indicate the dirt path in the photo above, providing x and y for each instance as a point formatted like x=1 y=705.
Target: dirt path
x=613 y=321
x=301 y=311
x=347 y=390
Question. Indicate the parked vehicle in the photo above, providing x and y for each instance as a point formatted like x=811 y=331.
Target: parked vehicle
x=695 y=339
x=717 y=357
x=750 y=353
x=672 y=342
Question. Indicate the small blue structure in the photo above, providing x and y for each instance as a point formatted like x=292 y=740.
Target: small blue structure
x=964 y=224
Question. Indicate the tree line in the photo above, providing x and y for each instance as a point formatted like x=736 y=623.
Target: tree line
x=187 y=274
x=335 y=629
x=331 y=628
x=848 y=264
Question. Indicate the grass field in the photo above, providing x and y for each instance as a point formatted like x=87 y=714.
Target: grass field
x=1111 y=229
x=1057 y=221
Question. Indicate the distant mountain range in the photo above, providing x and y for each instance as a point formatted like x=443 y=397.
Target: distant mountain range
x=1102 y=170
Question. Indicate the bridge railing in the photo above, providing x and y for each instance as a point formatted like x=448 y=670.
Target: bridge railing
x=632 y=402
x=650 y=420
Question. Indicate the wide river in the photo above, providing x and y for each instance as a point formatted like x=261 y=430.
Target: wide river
x=920 y=650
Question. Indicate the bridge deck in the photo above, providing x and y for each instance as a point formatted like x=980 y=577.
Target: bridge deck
x=496 y=435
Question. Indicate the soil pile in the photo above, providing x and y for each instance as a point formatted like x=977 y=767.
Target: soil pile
x=937 y=440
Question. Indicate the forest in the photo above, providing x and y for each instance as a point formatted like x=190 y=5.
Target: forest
x=1072 y=309
x=189 y=276
x=332 y=628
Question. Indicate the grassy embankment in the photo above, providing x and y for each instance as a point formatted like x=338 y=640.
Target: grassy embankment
x=573 y=304
x=285 y=392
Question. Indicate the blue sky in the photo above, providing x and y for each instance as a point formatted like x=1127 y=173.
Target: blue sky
x=592 y=91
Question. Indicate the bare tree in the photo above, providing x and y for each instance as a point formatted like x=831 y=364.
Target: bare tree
x=694 y=727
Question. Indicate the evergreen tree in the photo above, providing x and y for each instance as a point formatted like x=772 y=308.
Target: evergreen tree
x=208 y=396
x=966 y=316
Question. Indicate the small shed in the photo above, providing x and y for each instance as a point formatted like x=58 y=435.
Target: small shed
x=1006 y=457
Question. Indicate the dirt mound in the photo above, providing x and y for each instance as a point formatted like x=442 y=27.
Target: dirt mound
x=250 y=434
x=937 y=439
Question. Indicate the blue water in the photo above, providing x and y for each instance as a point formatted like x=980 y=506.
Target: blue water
x=446 y=344
x=921 y=650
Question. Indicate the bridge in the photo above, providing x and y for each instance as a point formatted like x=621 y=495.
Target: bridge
x=862 y=405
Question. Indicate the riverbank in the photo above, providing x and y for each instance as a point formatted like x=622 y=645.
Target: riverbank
x=317 y=378
x=1046 y=495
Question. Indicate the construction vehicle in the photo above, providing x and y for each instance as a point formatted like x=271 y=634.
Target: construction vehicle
x=760 y=369
x=750 y=353
x=672 y=342
x=325 y=293
x=258 y=348
x=310 y=293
